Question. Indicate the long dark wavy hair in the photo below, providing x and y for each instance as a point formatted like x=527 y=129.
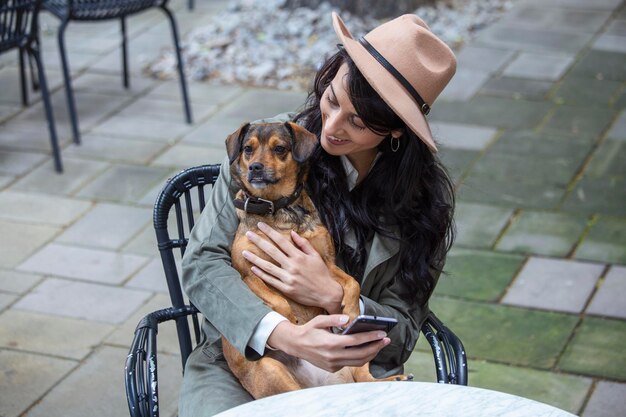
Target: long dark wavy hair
x=407 y=195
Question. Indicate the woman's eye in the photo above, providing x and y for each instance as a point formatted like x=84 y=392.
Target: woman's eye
x=331 y=100
x=279 y=149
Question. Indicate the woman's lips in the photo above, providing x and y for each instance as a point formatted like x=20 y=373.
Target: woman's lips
x=335 y=141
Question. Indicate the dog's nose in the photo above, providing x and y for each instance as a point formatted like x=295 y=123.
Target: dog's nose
x=256 y=167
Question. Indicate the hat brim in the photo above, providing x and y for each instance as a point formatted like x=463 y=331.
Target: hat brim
x=385 y=84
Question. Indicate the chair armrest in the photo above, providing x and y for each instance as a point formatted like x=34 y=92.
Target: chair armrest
x=141 y=363
x=448 y=351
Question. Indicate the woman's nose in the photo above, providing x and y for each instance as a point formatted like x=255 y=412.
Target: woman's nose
x=332 y=122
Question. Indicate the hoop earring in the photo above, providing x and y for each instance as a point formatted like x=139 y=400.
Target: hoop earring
x=395 y=146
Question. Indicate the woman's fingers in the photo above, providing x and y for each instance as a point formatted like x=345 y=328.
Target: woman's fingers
x=267 y=247
x=303 y=244
x=283 y=243
x=264 y=265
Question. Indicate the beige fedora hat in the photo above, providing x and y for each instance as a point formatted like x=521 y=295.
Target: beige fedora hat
x=406 y=64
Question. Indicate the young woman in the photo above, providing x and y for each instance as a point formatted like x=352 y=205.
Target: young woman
x=381 y=192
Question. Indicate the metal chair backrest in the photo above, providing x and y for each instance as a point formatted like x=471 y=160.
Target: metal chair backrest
x=92 y=10
x=186 y=194
x=18 y=23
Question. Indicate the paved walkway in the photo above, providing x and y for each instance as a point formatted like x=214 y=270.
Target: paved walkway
x=532 y=128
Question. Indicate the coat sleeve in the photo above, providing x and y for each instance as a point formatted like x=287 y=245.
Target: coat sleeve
x=208 y=278
x=404 y=335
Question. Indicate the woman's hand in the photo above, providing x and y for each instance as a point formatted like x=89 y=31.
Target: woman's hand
x=302 y=275
x=314 y=343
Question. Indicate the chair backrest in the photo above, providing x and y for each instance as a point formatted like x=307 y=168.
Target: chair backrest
x=18 y=23
x=185 y=193
x=99 y=9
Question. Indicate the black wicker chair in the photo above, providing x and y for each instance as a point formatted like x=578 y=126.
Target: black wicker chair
x=19 y=30
x=95 y=10
x=141 y=363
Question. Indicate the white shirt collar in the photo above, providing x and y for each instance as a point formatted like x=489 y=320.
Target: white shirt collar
x=352 y=175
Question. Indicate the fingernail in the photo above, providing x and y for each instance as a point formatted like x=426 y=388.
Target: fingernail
x=245 y=254
x=381 y=335
x=343 y=319
x=261 y=225
x=386 y=341
x=249 y=234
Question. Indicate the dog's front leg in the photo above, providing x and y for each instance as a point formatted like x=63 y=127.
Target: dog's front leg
x=362 y=374
x=351 y=292
x=270 y=296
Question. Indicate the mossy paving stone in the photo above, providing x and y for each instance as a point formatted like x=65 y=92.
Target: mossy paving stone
x=604 y=196
x=605 y=242
x=477 y=275
x=456 y=161
x=479 y=225
x=501 y=333
x=577 y=120
x=516 y=88
x=584 y=91
x=508 y=193
x=597 y=349
x=601 y=65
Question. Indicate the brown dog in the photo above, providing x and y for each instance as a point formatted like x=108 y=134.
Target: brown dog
x=268 y=163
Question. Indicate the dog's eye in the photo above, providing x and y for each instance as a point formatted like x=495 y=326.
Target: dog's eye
x=279 y=149
x=247 y=149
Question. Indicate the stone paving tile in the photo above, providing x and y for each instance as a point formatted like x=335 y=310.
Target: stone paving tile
x=256 y=104
x=214 y=131
x=457 y=161
x=533 y=39
x=19 y=163
x=32 y=137
x=537 y=66
x=76 y=173
x=478 y=226
x=585 y=91
x=583 y=121
x=111 y=84
x=516 y=88
x=17 y=282
x=554 y=284
x=607 y=161
x=544 y=233
x=5 y=180
x=144 y=243
x=597 y=349
x=24 y=240
x=19 y=370
x=492 y=111
x=464 y=85
x=145 y=128
x=184 y=156
x=83 y=263
x=604 y=196
x=199 y=92
x=608 y=300
x=462 y=136
x=151 y=277
x=56 y=336
x=40 y=208
x=601 y=65
x=512 y=335
x=566 y=392
x=104 y=396
x=6 y=300
x=618 y=129
x=167 y=338
x=608 y=400
x=483 y=58
x=151 y=107
x=610 y=43
x=81 y=300
x=606 y=241
x=106 y=226
x=116 y=149
x=478 y=275
x=548 y=15
x=124 y=183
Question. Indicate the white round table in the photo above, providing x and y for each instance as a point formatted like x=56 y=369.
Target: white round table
x=388 y=399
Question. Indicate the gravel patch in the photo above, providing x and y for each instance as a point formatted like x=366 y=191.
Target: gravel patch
x=258 y=43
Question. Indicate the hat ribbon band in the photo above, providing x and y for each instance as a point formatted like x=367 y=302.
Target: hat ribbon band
x=424 y=107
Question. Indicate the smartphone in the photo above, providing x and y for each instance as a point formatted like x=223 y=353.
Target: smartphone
x=368 y=323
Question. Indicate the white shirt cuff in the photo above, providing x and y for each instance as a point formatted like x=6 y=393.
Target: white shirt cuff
x=263 y=330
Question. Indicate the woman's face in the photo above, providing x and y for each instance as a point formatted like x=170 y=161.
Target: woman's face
x=343 y=131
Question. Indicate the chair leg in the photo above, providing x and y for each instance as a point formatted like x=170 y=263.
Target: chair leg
x=45 y=95
x=124 y=52
x=181 y=72
x=23 y=81
x=190 y=4
x=68 y=83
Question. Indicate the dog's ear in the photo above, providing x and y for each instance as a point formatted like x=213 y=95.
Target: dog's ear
x=303 y=142
x=234 y=141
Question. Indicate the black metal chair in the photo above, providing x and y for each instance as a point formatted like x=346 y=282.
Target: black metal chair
x=141 y=363
x=95 y=10
x=19 y=29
